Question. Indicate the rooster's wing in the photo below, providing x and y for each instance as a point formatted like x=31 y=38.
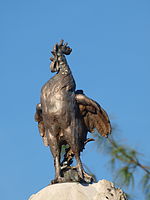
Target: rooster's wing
x=93 y=114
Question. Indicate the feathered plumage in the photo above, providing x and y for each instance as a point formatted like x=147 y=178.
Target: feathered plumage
x=93 y=114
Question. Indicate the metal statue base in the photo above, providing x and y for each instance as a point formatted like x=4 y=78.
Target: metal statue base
x=70 y=174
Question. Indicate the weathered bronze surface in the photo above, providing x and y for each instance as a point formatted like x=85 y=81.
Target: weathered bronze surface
x=65 y=116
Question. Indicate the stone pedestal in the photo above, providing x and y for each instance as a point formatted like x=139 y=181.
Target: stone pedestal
x=103 y=190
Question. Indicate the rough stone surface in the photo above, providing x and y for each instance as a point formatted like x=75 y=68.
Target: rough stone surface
x=103 y=190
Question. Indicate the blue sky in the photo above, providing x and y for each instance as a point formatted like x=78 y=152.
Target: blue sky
x=110 y=62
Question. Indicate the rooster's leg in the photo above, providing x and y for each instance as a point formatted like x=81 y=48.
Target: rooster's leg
x=83 y=175
x=55 y=149
x=79 y=165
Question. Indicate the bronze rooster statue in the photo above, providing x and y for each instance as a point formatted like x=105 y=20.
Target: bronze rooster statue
x=65 y=116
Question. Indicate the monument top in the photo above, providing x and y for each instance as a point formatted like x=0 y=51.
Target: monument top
x=103 y=190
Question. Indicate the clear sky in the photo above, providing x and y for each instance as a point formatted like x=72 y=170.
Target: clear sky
x=110 y=62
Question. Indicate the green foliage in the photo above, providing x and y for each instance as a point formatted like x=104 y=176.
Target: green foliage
x=128 y=160
x=125 y=176
x=146 y=185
